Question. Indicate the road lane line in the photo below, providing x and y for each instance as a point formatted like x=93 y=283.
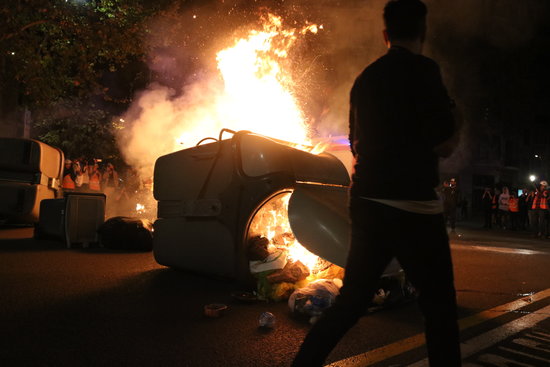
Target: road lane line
x=415 y=341
x=495 y=360
x=494 y=336
x=537 y=345
x=502 y=250
x=526 y=355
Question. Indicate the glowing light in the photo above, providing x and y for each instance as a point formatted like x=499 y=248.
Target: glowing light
x=532 y=178
x=257 y=89
x=140 y=208
x=271 y=221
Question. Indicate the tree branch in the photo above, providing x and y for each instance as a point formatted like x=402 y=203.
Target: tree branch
x=10 y=35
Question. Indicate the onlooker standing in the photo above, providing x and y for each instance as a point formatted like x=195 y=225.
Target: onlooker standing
x=78 y=174
x=85 y=170
x=110 y=184
x=69 y=176
x=513 y=208
x=94 y=178
x=540 y=209
x=503 y=210
x=523 y=210
x=451 y=198
x=486 y=202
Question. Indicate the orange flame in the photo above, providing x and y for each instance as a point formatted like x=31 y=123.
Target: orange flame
x=271 y=221
x=257 y=93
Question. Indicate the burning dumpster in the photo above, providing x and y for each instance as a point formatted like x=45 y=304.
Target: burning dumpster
x=213 y=199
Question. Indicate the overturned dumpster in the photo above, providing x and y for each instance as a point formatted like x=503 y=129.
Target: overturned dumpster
x=30 y=171
x=252 y=205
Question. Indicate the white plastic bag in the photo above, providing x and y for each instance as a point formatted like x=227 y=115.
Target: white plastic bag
x=313 y=299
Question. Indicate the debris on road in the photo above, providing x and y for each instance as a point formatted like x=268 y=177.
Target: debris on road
x=215 y=310
x=267 y=320
x=126 y=233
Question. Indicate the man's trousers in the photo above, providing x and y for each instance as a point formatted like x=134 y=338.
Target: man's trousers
x=421 y=245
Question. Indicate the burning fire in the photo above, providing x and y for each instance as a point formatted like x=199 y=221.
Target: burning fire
x=140 y=208
x=272 y=222
x=257 y=93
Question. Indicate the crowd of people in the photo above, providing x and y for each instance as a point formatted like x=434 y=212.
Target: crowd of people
x=94 y=176
x=526 y=209
x=503 y=208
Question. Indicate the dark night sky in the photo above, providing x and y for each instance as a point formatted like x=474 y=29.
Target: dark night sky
x=493 y=53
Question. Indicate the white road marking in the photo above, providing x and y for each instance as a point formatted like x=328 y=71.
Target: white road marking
x=502 y=250
x=523 y=354
x=530 y=343
x=499 y=361
x=391 y=350
x=498 y=334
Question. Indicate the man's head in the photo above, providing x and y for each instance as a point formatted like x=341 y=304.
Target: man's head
x=452 y=182
x=405 y=20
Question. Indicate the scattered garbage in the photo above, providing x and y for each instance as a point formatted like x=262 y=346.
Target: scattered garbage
x=277 y=276
x=267 y=320
x=215 y=309
x=311 y=290
x=126 y=233
x=244 y=296
x=393 y=290
x=313 y=299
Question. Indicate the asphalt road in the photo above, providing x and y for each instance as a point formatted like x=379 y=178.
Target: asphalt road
x=92 y=307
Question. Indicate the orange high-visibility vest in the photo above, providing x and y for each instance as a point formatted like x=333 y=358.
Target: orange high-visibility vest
x=540 y=200
x=513 y=205
x=94 y=182
x=68 y=182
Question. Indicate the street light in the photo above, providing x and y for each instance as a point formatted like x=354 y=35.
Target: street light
x=532 y=178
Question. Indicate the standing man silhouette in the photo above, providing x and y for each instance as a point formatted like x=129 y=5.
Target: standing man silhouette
x=400 y=123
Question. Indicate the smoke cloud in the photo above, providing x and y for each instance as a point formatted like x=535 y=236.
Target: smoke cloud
x=184 y=42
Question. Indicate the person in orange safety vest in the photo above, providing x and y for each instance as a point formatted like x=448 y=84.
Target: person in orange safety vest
x=540 y=210
x=95 y=178
x=69 y=176
x=513 y=207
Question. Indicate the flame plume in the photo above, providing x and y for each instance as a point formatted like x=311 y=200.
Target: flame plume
x=257 y=93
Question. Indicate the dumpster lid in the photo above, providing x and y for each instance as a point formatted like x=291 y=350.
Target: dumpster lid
x=319 y=219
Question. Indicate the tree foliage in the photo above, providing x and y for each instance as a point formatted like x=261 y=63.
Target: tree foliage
x=52 y=49
x=80 y=130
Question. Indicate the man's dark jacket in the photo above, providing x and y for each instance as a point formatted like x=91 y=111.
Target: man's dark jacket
x=400 y=111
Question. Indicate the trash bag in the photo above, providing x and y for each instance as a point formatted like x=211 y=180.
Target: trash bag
x=291 y=273
x=392 y=291
x=126 y=233
x=313 y=299
x=275 y=260
x=258 y=248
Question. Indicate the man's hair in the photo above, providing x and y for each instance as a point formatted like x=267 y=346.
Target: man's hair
x=405 y=19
